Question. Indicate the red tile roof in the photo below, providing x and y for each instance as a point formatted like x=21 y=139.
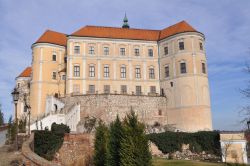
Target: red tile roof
x=117 y=33
x=53 y=37
x=26 y=72
x=180 y=27
x=136 y=34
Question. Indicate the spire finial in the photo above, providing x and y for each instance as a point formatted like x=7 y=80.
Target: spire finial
x=125 y=22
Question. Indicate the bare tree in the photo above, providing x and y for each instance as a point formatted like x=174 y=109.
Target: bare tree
x=245 y=110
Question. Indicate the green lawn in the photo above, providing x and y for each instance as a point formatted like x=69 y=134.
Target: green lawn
x=164 y=162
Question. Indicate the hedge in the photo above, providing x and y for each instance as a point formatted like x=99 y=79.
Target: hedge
x=167 y=142
x=47 y=143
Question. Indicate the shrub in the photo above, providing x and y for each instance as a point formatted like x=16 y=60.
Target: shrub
x=47 y=143
x=200 y=141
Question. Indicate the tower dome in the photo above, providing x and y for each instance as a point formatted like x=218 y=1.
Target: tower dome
x=125 y=22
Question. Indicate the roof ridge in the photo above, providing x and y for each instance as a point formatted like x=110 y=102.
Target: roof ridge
x=120 y=28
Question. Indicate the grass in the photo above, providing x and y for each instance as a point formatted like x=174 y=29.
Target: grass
x=164 y=162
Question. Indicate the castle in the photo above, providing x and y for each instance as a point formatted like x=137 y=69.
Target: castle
x=104 y=71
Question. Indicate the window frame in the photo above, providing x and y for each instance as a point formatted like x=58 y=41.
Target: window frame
x=105 y=50
x=91 y=71
x=123 y=71
x=91 y=89
x=203 y=68
x=138 y=90
x=76 y=70
x=137 y=72
x=106 y=89
x=152 y=89
x=166 y=72
x=91 y=50
x=54 y=75
x=137 y=51
x=151 y=73
x=166 y=50
x=54 y=57
x=181 y=45
x=106 y=71
x=122 y=51
x=183 y=69
x=150 y=52
x=76 y=51
x=124 y=89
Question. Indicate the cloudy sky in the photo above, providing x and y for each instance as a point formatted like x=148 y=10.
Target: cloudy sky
x=225 y=23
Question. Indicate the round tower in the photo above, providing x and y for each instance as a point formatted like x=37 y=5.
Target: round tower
x=184 y=81
x=48 y=75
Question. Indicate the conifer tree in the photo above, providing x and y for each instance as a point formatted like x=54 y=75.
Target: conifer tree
x=134 y=146
x=1 y=116
x=101 y=141
x=114 y=145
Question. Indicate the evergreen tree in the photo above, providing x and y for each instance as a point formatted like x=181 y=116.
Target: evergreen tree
x=134 y=146
x=101 y=141
x=1 y=116
x=114 y=145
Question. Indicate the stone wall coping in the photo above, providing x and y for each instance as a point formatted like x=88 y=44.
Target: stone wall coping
x=32 y=156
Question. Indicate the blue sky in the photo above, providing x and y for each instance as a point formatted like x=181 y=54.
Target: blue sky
x=225 y=23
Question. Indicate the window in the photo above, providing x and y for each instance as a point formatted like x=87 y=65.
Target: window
x=166 y=71
x=76 y=71
x=138 y=90
x=159 y=112
x=91 y=71
x=123 y=89
x=64 y=77
x=137 y=72
x=77 y=49
x=150 y=52
x=122 y=51
x=151 y=73
x=201 y=46
x=106 y=88
x=183 y=67
x=106 y=71
x=203 y=68
x=137 y=52
x=54 y=57
x=123 y=72
x=106 y=51
x=181 y=45
x=54 y=75
x=152 y=89
x=76 y=88
x=65 y=59
x=91 y=89
x=91 y=50
x=166 y=50
x=171 y=84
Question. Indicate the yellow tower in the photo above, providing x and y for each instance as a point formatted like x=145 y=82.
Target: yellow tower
x=48 y=70
x=183 y=78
